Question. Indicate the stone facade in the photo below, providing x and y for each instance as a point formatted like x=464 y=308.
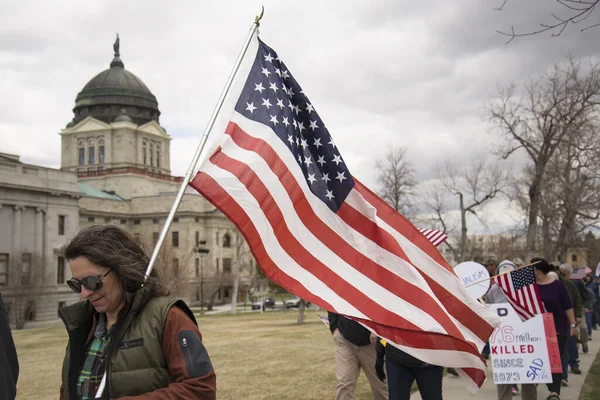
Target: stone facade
x=39 y=213
x=115 y=168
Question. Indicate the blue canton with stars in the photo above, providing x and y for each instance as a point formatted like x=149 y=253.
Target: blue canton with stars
x=523 y=277
x=272 y=97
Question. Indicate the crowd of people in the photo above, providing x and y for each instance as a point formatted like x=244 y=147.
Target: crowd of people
x=131 y=338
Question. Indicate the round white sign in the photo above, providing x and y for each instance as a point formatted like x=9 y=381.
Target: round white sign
x=470 y=272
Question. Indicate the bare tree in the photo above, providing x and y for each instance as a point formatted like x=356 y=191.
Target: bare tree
x=575 y=12
x=396 y=179
x=538 y=119
x=242 y=253
x=474 y=184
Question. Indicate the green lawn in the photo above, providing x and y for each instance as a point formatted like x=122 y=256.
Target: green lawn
x=591 y=387
x=255 y=356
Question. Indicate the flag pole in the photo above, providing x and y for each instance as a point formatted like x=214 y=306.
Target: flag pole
x=192 y=167
x=504 y=273
x=209 y=126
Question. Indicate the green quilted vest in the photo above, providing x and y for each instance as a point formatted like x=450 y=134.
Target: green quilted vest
x=137 y=364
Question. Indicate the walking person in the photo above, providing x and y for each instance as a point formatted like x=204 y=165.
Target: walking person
x=557 y=301
x=128 y=330
x=9 y=363
x=402 y=371
x=570 y=357
x=588 y=300
x=354 y=349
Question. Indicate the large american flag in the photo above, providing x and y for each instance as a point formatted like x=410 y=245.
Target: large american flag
x=274 y=170
x=521 y=291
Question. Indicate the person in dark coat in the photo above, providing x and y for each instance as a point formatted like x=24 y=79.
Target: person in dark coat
x=9 y=363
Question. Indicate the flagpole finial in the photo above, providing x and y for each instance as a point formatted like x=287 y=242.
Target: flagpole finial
x=259 y=17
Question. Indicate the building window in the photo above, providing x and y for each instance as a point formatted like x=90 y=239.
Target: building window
x=197 y=219
x=61 y=304
x=107 y=219
x=92 y=155
x=175 y=237
x=176 y=219
x=155 y=237
x=25 y=268
x=144 y=155
x=81 y=155
x=175 y=266
x=155 y=220
x=226 y=240
x=136 y=221
x=226 y=292
x=197 y=238
x=60 y=270
x=197 y=268
x=157 y=159
x=151 y=152
x=101 y=155
x=91 y=219
x=61 y=225
x=227 y=265
x=574 y=257
x=123 y=221
x=217 y=266
x=3 y=269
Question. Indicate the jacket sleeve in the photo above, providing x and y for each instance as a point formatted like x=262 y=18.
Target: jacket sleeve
x=9 y=364
x=188 y=362
x=333 y=321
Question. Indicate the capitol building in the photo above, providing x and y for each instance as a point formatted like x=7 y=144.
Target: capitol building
x=115 y=168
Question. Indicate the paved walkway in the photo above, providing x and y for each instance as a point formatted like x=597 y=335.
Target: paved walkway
x=453 y=388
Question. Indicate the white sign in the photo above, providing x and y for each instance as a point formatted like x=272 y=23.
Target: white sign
x=471 y=272
x=519 y=350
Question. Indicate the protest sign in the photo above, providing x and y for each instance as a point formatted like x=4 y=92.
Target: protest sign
x=523 y=352
x=474 y=277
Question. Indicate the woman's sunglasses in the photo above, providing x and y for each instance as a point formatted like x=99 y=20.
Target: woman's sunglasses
x=92 y=283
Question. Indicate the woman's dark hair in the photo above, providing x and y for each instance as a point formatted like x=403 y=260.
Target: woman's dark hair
x=542 y=265
x=113 y=247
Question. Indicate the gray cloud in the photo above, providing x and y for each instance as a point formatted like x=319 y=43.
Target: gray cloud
x=385 y=73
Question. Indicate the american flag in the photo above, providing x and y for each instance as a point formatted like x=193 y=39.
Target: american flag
x=521 y=291
x=274 y=170
x=434 y=236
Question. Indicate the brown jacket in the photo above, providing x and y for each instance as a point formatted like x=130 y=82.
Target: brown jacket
x=192 y=377
x=183 y=386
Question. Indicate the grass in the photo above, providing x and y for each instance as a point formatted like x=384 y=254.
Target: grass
x=591 y=387
x=255 y=356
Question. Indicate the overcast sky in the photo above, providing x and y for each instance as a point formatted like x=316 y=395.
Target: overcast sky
x=416 y=74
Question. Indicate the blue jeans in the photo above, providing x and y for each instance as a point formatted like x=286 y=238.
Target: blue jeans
x=569 y=357
x=588 y=321
x=400 y=380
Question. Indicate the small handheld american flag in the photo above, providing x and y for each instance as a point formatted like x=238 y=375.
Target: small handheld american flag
x=521 y=291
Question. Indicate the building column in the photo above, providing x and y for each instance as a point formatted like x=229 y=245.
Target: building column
x=17 y=250
x=39 y=252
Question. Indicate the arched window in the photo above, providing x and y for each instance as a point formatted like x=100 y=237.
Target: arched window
x=81 y=145
x=226 y=240
x=144 y=152
x=158 y=156
x=101 y=151
x=151 y=152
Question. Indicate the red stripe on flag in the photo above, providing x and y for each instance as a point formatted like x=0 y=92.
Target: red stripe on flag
x=214 y=193
x=301 y=255
x=459 y=310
